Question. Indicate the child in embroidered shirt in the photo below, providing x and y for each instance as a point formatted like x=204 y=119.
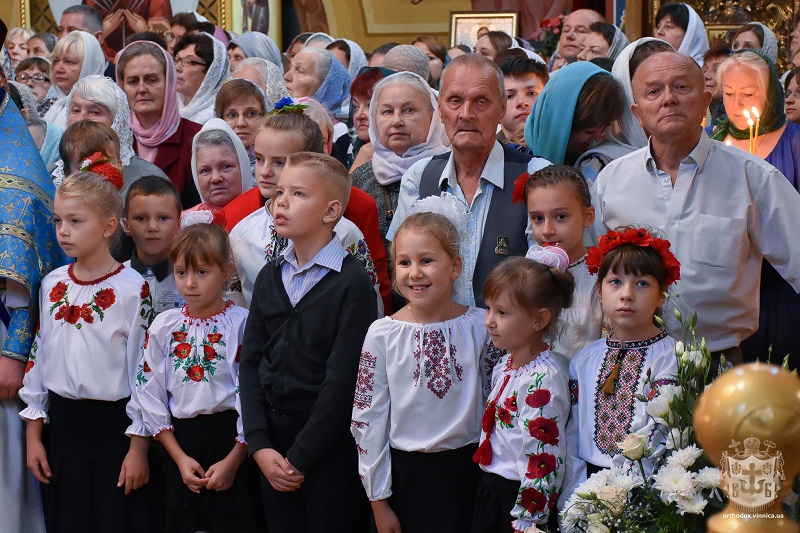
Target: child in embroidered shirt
x=152 y=219
x=560 y=209
x=310 y=311
x=82 y=368
x=634 y=269
x=522 y=441
x=187 y=387
x=420 y=389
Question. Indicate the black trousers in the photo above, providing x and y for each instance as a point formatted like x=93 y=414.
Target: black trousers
x=497 y=496
x=331 y=498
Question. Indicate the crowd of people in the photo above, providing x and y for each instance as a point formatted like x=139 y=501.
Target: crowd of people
x=406 y=290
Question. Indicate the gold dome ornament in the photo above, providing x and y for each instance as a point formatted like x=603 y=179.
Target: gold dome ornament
x=748 y=423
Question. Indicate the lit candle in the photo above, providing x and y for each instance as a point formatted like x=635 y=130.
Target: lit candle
x=758 y=124
x=746 y=114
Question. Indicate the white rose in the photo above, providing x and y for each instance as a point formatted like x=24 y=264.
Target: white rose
x=633 y=447
x=696 y=357
x=615 y=498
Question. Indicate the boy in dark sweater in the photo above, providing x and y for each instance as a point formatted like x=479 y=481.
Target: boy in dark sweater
x=310 y=312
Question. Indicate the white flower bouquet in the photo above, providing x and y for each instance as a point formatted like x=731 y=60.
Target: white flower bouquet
x=675 y=497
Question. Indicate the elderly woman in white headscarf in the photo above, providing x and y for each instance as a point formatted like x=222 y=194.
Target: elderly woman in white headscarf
x=76 y=56
x=220 y=166
x=629 y=136
x=603 y=40
x=253 y=44
x=404 y=127
x=681 y=26
x=265 y=75
x=201 y=66
x=99 y=99
x=757 y=36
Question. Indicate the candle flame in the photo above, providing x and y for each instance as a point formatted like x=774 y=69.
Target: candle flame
x=750 y=122
x=755 y=112
x=746 y=114
x=728 y=142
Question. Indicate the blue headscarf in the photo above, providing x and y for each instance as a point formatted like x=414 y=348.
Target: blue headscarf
x=28 y=238
x=549 y=125
x=335 y=87
x=52 y=138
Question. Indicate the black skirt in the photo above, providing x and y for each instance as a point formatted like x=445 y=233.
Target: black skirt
x=497 y=496
x=86 y=444
x=434 y=491
x=208 y=439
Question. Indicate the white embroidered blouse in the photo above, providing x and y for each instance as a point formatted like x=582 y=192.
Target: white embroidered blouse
x=599 y=421
x=89 y=341
x=421 y=387
x=525 y=422
x=190 y=367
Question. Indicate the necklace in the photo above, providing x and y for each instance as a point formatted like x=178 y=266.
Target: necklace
x=449 y=315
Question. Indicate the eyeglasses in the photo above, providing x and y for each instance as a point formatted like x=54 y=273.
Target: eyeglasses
x=186 y=62
x=233 y=116
x=38 y=78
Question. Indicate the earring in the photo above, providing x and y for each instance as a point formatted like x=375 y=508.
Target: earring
x=536 y=327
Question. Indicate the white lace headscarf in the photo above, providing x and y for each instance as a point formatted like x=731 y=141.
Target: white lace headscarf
x=104 y=91
x=201 y=106
x=387 y=166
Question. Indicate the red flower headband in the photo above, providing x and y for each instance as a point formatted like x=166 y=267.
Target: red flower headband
x=100 y=164
x=518 y=196
x=637 y=237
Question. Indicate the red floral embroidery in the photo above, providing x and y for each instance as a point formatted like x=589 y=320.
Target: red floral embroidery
x=105 y=298
x=544 y=429
x=182 y=350
x=195 y=372
x=209 y=353
x=86 y=314
x=61 y=313
x=145 y=290
x=437 y=365
x=29 y=366
x=146 y=367
x=504 y=415
x=214 y=337
x=72 y=314
x=532 y=500
x=179 y=336
x=146 y=339
x=539 y=398
x=238 y=354
x=540 y=465
x=58 y=292
x=551 y=502
x=511 y=403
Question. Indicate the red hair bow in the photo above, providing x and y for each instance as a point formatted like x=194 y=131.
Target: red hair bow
x=519 y=188
x=100 y=164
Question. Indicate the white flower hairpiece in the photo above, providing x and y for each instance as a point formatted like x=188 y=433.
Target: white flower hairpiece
x=552 y=256
x=449 y=207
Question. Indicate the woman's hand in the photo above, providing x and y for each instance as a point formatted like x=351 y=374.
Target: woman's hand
x=221 y=475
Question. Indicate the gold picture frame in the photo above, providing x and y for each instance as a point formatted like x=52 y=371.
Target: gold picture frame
x=464 y=25
x=36 y=14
